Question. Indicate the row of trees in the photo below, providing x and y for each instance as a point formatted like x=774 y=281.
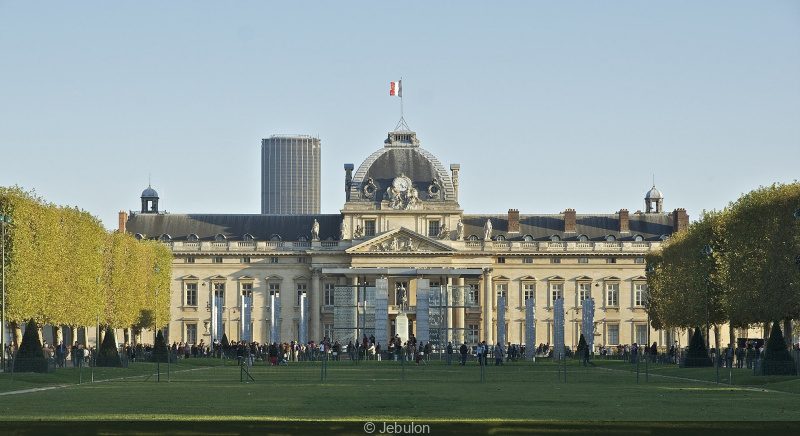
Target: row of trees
x=736 y=266
x=63 y=268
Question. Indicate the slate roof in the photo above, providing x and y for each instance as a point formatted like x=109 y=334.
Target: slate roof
x=234 y=227
x=596 y=227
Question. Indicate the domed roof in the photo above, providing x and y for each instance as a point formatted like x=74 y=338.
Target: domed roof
x=149 y=192
x=401 y=157
x=653 y=194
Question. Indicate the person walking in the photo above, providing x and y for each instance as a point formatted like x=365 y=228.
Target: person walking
x=463 y=351
x=449 y=353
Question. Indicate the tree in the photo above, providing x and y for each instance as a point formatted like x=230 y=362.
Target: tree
x=777 y=359
x=108 y=355
x=30 y=357
x=160 y=349
x=697 y=355
x=761 y=239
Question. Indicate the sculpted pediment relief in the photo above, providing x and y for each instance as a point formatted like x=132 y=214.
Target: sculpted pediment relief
x=398 y=241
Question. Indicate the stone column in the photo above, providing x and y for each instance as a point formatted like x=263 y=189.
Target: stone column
x=488 y=299
x=315 y=306
x=461 y=312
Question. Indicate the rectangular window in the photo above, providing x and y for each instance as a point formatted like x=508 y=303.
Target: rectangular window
x=191 y=333
x=528 y=291
x=329 y=287
x=245 y=260
x=433 y=228
x=274 y=289
x=190 y=260
x=556 y=292
x=502 y=290
x=472 y=334
x=218 y=259
x=301 y=289
x=611 y=260
x=638 y=260
x=612 y=294
x=327 y=330
x=527 y=260
x=641 y=334
x=613 y=334
x=369 y=227
x=474 y=295
x=639 y=294
x=584 y=291
x=501 y=260
x=301 y=260
x=555 y=260
x=273 y=260
x=247 y=290
x=191 y=294
x=219 y=291
x=583 y=260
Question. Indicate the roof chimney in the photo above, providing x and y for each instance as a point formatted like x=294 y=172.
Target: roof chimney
x=624 y=226
x=570 y=224
x=513 y=221
x=123 y=221
x=680 y=220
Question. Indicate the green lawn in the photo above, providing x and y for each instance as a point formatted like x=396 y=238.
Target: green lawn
x=201 y=389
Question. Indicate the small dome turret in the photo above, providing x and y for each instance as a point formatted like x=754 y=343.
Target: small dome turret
x=149 y=200
x=654 y=196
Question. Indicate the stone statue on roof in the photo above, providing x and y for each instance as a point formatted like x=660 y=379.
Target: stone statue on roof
x=487 y=230
x=460 y=231
x=315 y=231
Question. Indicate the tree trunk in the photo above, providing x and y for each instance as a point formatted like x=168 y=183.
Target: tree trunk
x=58 y=335
x=717 y=342
x=732 y=334
x=16 y=333
x=765 y=334
x=73 y=333
x=787 y=332
x=126 y=333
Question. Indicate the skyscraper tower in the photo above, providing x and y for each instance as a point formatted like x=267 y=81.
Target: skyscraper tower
x=290 y=174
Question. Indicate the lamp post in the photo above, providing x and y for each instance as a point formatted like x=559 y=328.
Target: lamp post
x=3 y=220
x=708 y=251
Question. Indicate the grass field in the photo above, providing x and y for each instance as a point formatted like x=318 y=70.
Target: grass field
x=202 y=390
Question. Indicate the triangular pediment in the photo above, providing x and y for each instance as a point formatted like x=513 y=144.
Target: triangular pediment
x=584 y=279
x=190 y=278
x=400 y=240
x=555 y=279
x=639 y=279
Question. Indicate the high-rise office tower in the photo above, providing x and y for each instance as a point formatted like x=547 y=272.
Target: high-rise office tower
x=290 y=174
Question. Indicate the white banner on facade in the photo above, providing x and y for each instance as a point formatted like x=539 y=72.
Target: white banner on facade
x=217 y=330
x=275 y=318
x=587 y=323
x=382 y=311
x=530 y=329
x=303 y=327
x=247 y=319
x=558 y=329
x=423 y=310
x=501 y=321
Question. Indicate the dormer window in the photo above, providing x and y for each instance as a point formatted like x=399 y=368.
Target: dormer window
x=638 y=238
x=611 y=238
x=248 y=237
x=220 y=237
x=528 y=238
x=192 y=238
x=555 y=238
x=166 y=238
x=500 y=238
x=275 y=237
x=138 y=236
x=302 y=238
x=583 y=238
x=472 y=238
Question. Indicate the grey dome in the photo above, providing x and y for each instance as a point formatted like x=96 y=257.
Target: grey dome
x=149 y=192
x=653 y=194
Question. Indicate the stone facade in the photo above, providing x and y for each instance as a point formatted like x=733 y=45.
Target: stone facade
x=402 y=222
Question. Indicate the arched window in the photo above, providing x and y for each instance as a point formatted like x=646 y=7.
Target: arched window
x=138 y=236
x=528 y=238
x=472 y=238
x=638 y=238
x=555 y=238
x=220 y=237
x=330 y=238
x=500 y=238
x=302 y=238
x=166 y=238
x=275 y=237
x=611 y=238
x=192 y=238
x=248 y=237
x=583 y=238
x=664 y=238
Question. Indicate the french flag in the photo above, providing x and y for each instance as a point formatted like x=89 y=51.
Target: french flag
x=396 y=88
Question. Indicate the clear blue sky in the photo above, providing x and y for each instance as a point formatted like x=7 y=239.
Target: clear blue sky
x=546 y=105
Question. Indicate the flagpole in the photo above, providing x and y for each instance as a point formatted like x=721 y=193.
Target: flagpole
x=401 y=97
